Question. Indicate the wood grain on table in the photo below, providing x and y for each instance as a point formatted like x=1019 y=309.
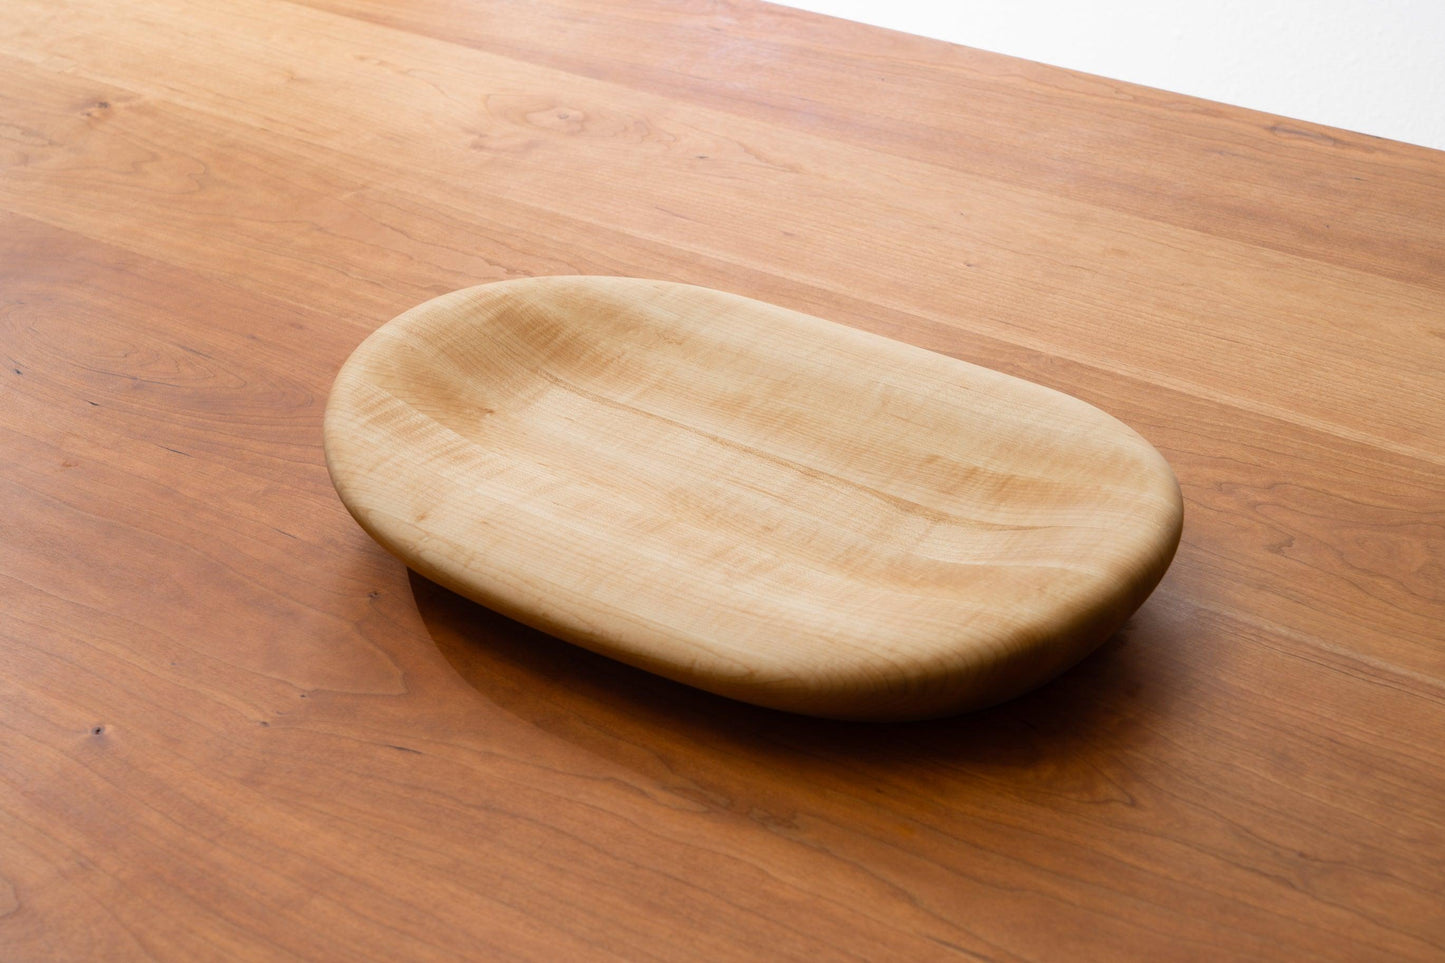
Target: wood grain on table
x=232 y=727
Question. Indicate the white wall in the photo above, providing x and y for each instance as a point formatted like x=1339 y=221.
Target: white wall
x=1375 y=67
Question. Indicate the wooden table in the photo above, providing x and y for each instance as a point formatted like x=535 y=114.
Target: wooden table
x=231 y=727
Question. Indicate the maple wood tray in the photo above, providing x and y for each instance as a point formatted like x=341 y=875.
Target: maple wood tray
x=746 y=499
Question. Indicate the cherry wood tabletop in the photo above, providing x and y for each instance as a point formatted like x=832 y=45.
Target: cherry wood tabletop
x=233 y=727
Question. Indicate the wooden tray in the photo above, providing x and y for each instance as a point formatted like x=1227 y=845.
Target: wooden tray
x=747 y=499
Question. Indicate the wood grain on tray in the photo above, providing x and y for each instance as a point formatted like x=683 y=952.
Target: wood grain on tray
x=759 y=503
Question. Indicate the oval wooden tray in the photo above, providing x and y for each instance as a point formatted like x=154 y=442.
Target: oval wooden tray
x=746 y=499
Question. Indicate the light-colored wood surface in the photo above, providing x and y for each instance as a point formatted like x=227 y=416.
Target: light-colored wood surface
x=760 y=503
x=232 y=727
